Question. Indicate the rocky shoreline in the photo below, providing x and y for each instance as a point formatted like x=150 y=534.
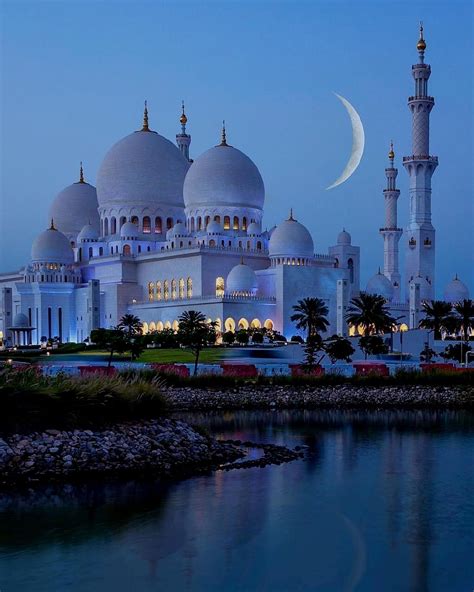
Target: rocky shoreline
x=164 y=447
x=311 y=397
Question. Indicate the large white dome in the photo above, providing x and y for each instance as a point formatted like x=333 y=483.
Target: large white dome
x=52 y=246
x=223 y=176
x=456 y=291
x=143 y=169
x=74 y=207
x=241 y=280
x=379 y=284
x=291 y=239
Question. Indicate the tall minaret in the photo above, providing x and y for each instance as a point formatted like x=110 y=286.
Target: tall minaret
x=420 y=166
x=390 y=232
x=183 y=140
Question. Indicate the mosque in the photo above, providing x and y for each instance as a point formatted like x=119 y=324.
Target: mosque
x=162 y=234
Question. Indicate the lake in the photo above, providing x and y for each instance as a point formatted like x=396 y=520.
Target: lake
x=383 y=502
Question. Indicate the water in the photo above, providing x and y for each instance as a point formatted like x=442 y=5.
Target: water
x=383 y=503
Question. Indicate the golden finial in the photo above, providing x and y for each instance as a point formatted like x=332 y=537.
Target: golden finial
x=145 y=127
x=52 y=227
x=421 y=45
x=81 y=174
x=391 y=154
x=183 y=119
x=291 y=215
x=223 y=135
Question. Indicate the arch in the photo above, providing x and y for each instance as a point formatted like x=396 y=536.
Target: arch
x=403 y=327
x=189 y=288
x=181 y=287
x=159 y=326
x=158 y=290
x=236 y=223
x=220 y=286
x=146 y=224
x=212 y=243
x=139 y=248
x=151 y=291
x=268 y=324
x=80 y=254
x=113 y=225
x=207 y=219
x=91 y=252
x=134 y=220
x=218 y=323
x=199 y=223
x=122 y=221
x=259 y=245
x=152 y=327
x=169 y=223
x=229 y=324
x=158 y=225
x=217 y=219
x=352 y=331
x=127 y=250
x=101 y=251
x=256 y=324
x=244 y=223
x=336 y=262
x=248 y=245
x=168 y=325
x=243 y=323
x=173 y=289
x=175 y=325
x=226 y=222
x=106 y=226
x=144 y=328
x=192 y=225
x=350 y=265
x=166 y=289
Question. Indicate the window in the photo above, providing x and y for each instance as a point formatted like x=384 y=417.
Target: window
x=217 y=219
x=192 y=225
x=113 y=225
x=236 y=223
x=350 y=265
x=244 y=223
x=127 y=250
x=106 y=226
x=80 y=253
x=101 y=251
x=134 y=220
x=122 y=221
x=226 y=222
x=220 y=286
x=158 y=290
x=166 y=290
x=173 y=289
x=199 y=223
x=169 y=223
x=206 y=221
x=146 y=225
x=212 y=243
x=151 y=291
x=189 y=287
x=181 y=288
x=158 y=225
x=90 y=252
x=259 y=245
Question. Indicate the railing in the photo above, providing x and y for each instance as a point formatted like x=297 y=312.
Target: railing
x=415 y=157
x=210 y=298
x=421 y=98
x=391 y=229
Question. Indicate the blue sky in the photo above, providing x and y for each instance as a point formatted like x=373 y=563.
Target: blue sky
x=75 y=75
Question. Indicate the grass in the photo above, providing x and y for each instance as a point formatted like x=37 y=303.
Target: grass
x=209 y=355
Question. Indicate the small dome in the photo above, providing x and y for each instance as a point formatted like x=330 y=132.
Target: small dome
x=179 y=229
x=291 y=239
x=253 y=228
x=241 y=280
x=20 y=320
x=344 y=238
x=52 y=246
x=223 y=176
x=88 y=233
x=214 y=228
x=129 y=230
x=456 y=291
x=380 y=285
x=75 y=206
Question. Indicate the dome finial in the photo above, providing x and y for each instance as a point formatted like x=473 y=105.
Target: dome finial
x=291 y=215
x=241 y=260
x=421 y=45
x=81 y=173
x=391 y=154
x=223 y=135
x=52 y=227
x=145 y=127
x=183 y=119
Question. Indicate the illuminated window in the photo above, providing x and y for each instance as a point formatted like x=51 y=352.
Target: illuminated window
x=220 y=286
x=159 y=326
x=255 y=324
x=146 y=225
x=151 y=291
x=236 y=223
x=243 y=324
x=158 y=225
x=189 y=287
x=212 y=243
x=175 y=325
x=199 y=223
x=244 y=223
x=229 y=324
x=158 y=291
x=226 y=222
x=169 y=223
x=173 y=289
x=145 y=328
x=152 y=327
x=181 y=288
x=268 y=324
x=166 y=290
x=127 y=250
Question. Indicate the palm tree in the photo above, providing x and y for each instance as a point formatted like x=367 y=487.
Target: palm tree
x=438 y=316
x=131 y=324
x=464 y=317
x=370 y=312
x=310 y=315
x=195 y=333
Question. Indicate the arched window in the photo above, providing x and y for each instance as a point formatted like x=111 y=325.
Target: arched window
x=101 y=251
x=248 y=245
x=255 y=324
x=212 y=243
x=127 y=250
x=158 y=290
x=113 y=225
x=146 y=224
x=268 y=324
x=192 y=225
x=90 y=252
x=175 y=325
x=206 y=221
x=139 y=248
x=350 y=265
x=166 y=290
x=226 y=222
x=243 y=324
x=169 y=223
x=152 y=327
x=189 y=287
x=151 y=291
x=167 y=325
x=134 y=220
x=236 y=223
x=158 y=225
x=173 y=289
x=220 y=286
x=106 y=226
x=181 y=287
x=217 y=219
x=229 y=324
x=159 y=326
x=244 y=223
x=336 y=262
x=80 y=254
x=144 y=328
x=259 y=245
x=199 y=223
x=122 y=221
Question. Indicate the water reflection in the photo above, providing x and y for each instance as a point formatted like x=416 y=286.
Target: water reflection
x=382 y=502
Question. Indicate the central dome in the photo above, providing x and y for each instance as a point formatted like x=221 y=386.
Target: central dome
x=223 y=176
x=143 y=169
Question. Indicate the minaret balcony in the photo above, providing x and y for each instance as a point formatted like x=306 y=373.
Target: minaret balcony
x=421 y=98
x=390 y=229
x=418 y=157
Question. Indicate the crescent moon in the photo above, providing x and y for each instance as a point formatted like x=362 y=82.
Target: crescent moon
x=358 y=142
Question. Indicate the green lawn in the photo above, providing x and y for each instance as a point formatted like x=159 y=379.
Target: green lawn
x=208 y=356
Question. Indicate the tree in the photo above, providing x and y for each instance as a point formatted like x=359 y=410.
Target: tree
x=130 y=324
x=338 y=348
x=427 y=354
x=373 y=345
x=257 y=337
x=112 y=340
x=456 y=352
x=195 y=333
x=310 y=315
x=314 y=345
x=228 y=337
x=464 y=317
x=242 y=336
x=370 y=312
x=166 y=338
x=438 y=316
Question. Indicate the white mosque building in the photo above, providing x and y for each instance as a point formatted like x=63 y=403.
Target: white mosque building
x=162 y=234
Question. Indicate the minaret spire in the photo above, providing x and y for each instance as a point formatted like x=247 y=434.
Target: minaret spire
x=420 y=166
x=390 y=232
x=81 y=173
x=223 y=135
x=145 y=127
x=183 y=140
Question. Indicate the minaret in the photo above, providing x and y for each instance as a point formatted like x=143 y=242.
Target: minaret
x=183 y=140
x=390 y=232
x=420 y=166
